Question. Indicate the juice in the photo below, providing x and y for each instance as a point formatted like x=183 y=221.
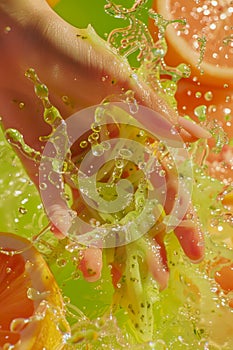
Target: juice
x=125 y=308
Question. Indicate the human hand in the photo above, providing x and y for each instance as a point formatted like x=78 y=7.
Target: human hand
x=79 y=65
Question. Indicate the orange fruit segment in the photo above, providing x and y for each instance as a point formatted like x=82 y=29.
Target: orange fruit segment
x=218 y=103
x=205 y=42
x=30 y=300
x=52 y=2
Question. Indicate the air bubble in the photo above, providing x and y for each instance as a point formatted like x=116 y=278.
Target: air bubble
x=33 y=294
x=41 y=91
x=106 y=145
x=15 y=138
x=162 y=173
x=18 y=324
x=119 y=163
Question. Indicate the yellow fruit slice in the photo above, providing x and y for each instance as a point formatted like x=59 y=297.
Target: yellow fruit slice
x=30 y=300
x=52 y=2
x=205 y=42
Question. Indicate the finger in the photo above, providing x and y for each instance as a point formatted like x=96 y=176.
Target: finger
x=194 y=129
x=156 y=261
x=186 y=226
x=91 y=264
x=191 y=237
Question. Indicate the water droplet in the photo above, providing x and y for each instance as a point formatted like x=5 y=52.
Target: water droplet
x=106 y=145
x=83 y=144
x=119 y=163
x=8 y=270
x=61 y=262
x=22 y=210
x=125 y=153
x=208 y=96
x=99 y=114
x=198 y=94
x=67 y=101
x=15 y=138
x=43 y=186
x=34 y=294
x=141 y=133
x=95 y=127
x=62 y=326
x=21 y=105
x=212 y=109
x=131 y=102
x=52 y=116
x=142 y=165
x=97 y=150
x=200 y=112
x=184 y=69
x=7 y=29
x=174 y=130
x=93 y=137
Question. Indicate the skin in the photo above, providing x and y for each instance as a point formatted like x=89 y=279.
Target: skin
x=33 y=35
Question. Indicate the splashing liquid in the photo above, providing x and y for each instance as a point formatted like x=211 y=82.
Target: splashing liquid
x=136 y=38
x=185 y=315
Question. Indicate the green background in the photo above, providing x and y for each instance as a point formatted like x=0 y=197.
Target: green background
x=82 y=12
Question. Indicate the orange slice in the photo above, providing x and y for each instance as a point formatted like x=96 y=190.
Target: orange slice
x=30 y=301
x=218 y=103
x=205 y=42
x=52 y=3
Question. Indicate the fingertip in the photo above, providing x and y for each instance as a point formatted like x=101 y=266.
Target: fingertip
x=158 y=269
x=91 y=264
x=164 y=279
x=192 y=242
x=194 y=129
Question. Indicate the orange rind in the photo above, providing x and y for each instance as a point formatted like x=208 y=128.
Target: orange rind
x=32 y=310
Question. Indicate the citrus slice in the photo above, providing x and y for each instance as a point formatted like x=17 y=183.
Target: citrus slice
x=30 y=301
x=52 y=3
x=205 y=42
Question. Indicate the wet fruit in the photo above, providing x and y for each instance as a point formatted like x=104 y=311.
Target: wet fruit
x=205 y=42
x=32 y=310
